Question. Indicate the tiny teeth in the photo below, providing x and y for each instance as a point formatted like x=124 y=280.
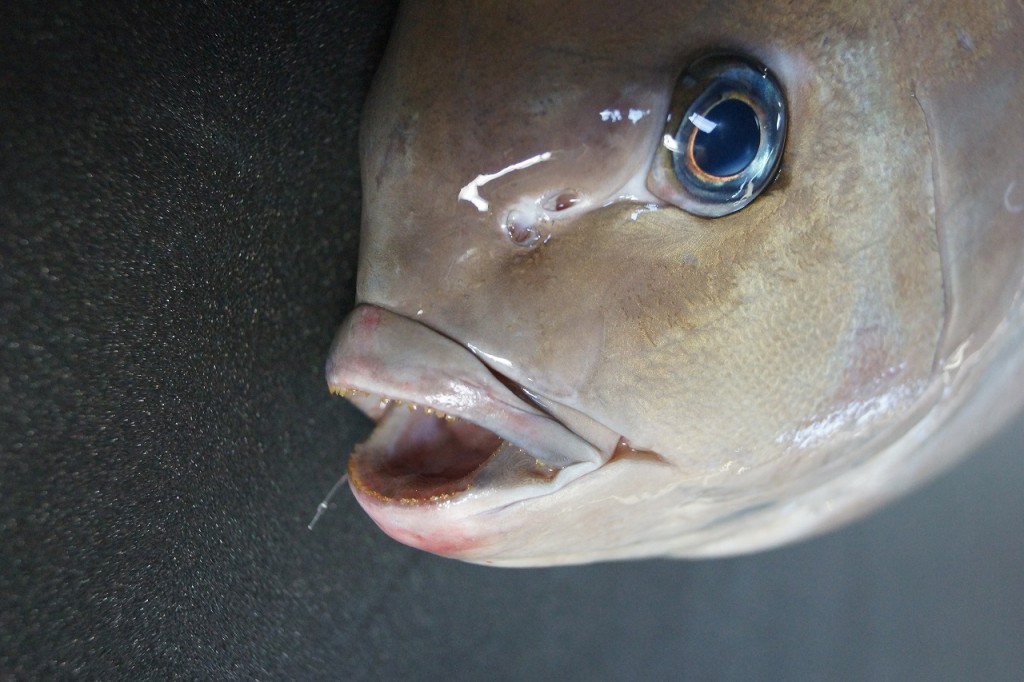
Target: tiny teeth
x=345 y=391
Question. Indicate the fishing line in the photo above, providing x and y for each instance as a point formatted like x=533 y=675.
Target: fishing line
x=322 y=507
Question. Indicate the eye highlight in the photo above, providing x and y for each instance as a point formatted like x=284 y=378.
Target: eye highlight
x=723 y=138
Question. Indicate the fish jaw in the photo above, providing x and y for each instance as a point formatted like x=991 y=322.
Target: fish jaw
x=453 y=440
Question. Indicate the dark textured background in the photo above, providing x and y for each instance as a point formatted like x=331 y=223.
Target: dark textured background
x=179 y=205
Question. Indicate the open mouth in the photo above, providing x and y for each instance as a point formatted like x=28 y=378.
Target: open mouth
x=419 y=454
x=447 y=426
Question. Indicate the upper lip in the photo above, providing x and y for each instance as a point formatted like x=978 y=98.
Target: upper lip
x=380 y=358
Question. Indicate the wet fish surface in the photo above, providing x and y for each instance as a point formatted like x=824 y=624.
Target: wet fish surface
x=692 y=280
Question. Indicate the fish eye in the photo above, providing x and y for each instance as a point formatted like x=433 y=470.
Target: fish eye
x=723 y=137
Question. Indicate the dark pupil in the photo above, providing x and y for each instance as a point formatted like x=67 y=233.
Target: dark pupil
x=732 y=145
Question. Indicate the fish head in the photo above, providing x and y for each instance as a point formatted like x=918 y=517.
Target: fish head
x=571 y=359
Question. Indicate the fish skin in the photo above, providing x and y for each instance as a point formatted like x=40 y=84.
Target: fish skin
x=790 y=366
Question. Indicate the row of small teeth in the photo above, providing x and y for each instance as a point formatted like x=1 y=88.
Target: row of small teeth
x=385 y=402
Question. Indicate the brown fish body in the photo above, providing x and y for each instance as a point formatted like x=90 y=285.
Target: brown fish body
x=631 y=379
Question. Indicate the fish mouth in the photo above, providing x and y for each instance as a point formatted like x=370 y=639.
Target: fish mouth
x=418 y=455
x=450 y=429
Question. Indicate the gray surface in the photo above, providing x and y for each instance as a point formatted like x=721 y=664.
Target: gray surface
x=178 y=216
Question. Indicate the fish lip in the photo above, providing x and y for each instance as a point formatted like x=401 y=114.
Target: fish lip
x=370 y=364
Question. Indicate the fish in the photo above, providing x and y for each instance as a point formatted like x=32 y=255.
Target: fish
x=687 y=279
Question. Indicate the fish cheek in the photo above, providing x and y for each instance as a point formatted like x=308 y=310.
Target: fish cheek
x=730 y=334
x=679 y=274
x=698 y=346
x=661 y=283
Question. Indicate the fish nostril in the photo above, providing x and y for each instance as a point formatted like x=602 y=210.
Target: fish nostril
x=562 y=201
x=528 y=222
x=525 y=229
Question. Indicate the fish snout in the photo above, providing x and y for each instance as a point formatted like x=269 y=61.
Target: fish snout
x=453 y=438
